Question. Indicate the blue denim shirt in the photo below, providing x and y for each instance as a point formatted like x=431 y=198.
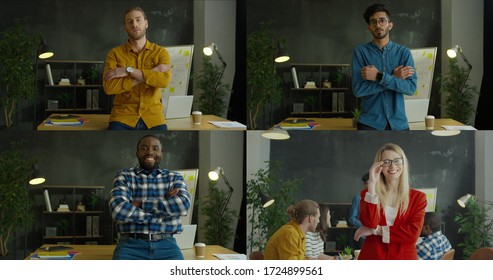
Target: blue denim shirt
x=383 y=101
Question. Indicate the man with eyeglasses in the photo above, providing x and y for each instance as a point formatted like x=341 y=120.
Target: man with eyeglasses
x=383 y=72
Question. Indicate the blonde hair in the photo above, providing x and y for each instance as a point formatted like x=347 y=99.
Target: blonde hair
x=401 y=200
x=302 y=209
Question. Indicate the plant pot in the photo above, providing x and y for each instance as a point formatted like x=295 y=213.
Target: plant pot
x=355 y=123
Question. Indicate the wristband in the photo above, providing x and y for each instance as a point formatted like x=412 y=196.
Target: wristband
x=379 y=76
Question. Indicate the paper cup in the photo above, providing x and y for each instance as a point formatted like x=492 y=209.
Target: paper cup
x=430 y=122
x=199 y=250
x=197 y=117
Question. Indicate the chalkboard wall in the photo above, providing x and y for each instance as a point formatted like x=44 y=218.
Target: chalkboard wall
x=326 y=31
x=331 y=164
x=87 y=30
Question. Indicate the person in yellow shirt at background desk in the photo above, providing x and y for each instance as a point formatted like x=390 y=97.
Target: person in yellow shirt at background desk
x=134 y=73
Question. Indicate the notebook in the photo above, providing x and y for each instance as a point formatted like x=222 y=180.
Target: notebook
x=186 y=239
x=416 y=109
x=179 y=106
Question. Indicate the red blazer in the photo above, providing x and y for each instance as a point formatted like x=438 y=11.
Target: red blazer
x=403 y=234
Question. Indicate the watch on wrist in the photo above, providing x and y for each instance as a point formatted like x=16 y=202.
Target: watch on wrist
x=379 y=76
x=130 y=70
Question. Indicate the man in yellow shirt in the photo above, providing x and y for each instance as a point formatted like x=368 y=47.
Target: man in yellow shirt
x=288 y=243
x=134 y=73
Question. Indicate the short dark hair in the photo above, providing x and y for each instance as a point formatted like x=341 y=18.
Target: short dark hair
x=148 y=136
x=374 y=9
x=136 y=8
x=433 y=220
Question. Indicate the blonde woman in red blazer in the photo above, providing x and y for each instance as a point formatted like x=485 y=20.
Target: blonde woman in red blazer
x=391 y=212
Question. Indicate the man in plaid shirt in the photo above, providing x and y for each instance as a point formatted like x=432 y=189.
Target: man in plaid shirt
x=434 y=244
x=147 y=203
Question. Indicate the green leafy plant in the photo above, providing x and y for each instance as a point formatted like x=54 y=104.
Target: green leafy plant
x=218 y=227
x=93 y=200
x=15 y=167
x=263 y=82
x=339 y=76
x=17 y=75
x=346 y=254
x=474 y=227
x=458 y=102
x=212 y=91
x=266 y=221
x=63 y=226
x=311 y=102
x=356 y=114
x=93 y=73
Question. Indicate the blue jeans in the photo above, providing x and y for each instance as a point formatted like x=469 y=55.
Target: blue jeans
x=140 y=249
x=140 y=126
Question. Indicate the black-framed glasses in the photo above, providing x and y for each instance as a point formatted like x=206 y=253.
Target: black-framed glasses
x=396 y=162
x=380 y=21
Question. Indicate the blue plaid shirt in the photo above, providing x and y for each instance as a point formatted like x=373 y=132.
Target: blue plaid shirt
x=432 y=247
x=158 y=213
x=383 y=101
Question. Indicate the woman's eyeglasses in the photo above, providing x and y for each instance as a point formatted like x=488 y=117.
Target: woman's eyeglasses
x=396 y=162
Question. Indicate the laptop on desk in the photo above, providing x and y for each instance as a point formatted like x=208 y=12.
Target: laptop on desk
x=416 y=109
x=178 y=107
x=186 y=239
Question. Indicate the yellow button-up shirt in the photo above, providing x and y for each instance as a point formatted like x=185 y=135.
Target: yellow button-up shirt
x=288 y=243
x=144 y=99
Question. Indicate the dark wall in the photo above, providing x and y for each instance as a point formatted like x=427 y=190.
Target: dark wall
x=87 y=30
x=92 y=158
x=331 y=165
x=326 y=31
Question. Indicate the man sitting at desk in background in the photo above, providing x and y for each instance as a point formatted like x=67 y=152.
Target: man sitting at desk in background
x=147 y=202
x=383 y=72
x=288 y=243
x=135 y=72
x=433 y=243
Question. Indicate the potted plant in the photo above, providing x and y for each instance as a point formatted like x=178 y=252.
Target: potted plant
x=338 y=77
x=346 y=254
x=212 y=92
x=218 y=226
x=475 y=227
x=356 y=114
x=17 y=75
x=311 y=103
x=263 y=82
x=266 y=221
x=93 y=201
x=458 y=104
x=14 y=194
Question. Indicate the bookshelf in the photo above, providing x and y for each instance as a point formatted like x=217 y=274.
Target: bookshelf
x=321 y=90
x=73 y=86
x=78 y=224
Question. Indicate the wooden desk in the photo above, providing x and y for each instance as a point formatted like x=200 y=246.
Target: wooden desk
x=105 y=252
x=100 y=122
x=347 y=124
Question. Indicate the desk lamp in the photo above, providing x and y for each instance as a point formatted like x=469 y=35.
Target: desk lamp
x=462 y=201
x=265 y=201
x=35 y=178
x=214 y=176
x=276 y=134
x=208 y=51
x=452 y=53
x=43 y=52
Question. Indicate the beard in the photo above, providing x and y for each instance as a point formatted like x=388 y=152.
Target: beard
x=136 y=36
x=384 y=32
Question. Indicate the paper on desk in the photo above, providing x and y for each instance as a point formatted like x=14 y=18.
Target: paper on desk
x=458 y=127
x=228 y=124
x=230 y=256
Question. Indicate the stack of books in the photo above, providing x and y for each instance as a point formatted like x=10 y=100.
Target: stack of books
x=67 y=120
x=63 y=208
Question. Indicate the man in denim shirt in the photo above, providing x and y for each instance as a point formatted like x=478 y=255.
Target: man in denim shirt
x=383 y=72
